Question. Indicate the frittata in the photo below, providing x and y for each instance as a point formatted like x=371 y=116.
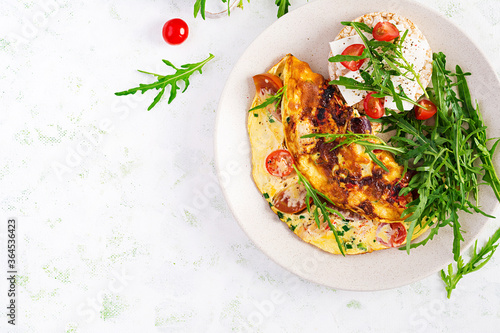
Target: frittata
x=277 y=128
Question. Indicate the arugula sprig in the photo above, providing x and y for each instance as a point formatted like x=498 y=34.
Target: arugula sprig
x=320 y=208
x=477 y=260
x=452 y=160
x=445 y=156
x=163 y=81
x=271 y=99
x=385 y=60
x=478 y=129
x=199 y=7
x=362 y=140
x=282 y=7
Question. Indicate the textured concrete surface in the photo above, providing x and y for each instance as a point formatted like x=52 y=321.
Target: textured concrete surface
x=122 y=226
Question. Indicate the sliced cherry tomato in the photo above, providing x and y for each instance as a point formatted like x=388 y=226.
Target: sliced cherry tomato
x=175 y=31
x=279 y=163
x=353 y=50
x=391 y=234
x=267 y=83
x=374 y=107
x=385 y=31
x=291 y=199
x=428 y=112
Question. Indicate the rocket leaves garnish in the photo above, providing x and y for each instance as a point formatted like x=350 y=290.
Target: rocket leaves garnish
x=271 y=99
x=385 y=60
x=478 y=259
x=451 y=159
x=282 y=7
x=181 y=74
x=320 y=207
x=362 y=140
x=199 y=7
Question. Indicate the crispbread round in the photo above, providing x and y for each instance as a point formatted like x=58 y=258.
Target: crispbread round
x=337 y=69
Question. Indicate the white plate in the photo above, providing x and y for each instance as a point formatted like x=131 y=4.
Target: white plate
x=305 y=32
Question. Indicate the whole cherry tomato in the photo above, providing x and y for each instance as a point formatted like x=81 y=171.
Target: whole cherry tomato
x=175 y=31
x=427 y=111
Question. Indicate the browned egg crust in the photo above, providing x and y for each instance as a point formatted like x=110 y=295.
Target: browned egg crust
x=346 y=174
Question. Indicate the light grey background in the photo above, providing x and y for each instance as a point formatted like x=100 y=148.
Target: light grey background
x=122 y=224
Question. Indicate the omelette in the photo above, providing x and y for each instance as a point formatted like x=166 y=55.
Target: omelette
x=345 y=174
x=365 y=195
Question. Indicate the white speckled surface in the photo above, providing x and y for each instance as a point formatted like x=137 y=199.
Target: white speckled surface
x=134 y=235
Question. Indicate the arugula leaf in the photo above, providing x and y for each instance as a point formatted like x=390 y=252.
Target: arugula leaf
x=276 y=98
x=341 y=58
x=320 y=207
x=478 y=259
x=350 y=83
x=282 y=7
x=359 y=25
x=199 y=7
x=445 y=156
x=360 y=139
x=163 y=81
x=479 y=131
x=385 y=60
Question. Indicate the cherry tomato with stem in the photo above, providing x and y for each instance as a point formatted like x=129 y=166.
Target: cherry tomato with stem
x=374 y=107
x=175 y=31
x=353 y=50
x=279 y=163
x=385 y=31
x=426 y=110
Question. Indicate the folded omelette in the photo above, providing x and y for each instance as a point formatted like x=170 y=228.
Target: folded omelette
x=347 y=175
x=364 y=193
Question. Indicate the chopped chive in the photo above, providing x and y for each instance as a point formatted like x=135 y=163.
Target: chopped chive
x=361 y=246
